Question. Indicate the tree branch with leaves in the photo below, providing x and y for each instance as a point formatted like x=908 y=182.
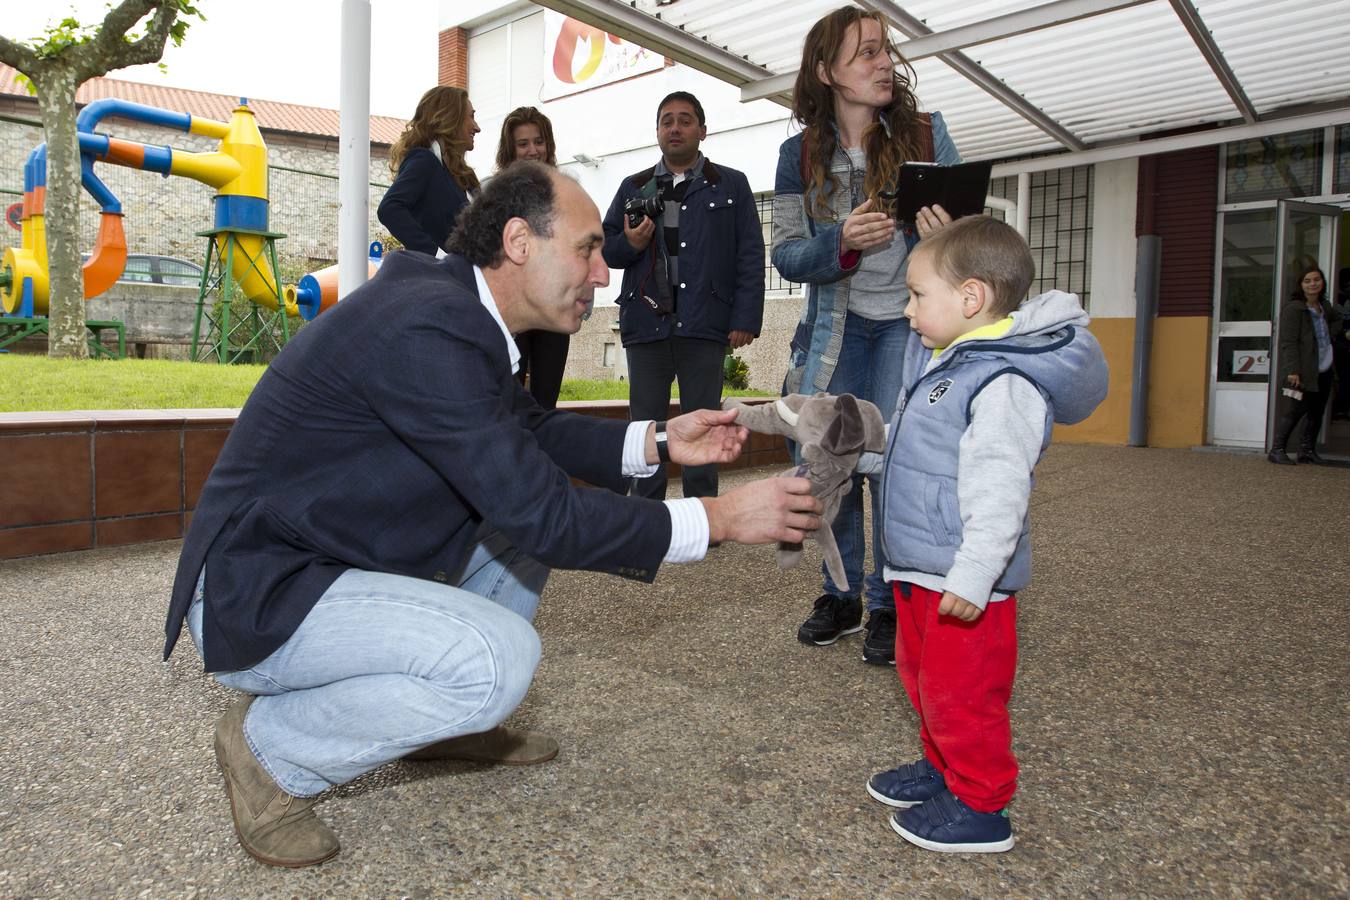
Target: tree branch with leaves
x=68 y=54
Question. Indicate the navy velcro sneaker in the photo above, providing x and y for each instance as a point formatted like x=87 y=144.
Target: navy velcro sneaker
x=947 y=825
x=909 y=785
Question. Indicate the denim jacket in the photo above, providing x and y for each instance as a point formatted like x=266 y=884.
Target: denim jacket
x=808 y=252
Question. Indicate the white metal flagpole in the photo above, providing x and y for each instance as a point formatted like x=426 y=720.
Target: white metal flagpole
x=354 y=146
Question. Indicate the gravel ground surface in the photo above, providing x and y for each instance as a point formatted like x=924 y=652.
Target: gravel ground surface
x=1180 y=715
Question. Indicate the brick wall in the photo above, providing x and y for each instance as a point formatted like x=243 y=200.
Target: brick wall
x=1187 y=186
x=99 y=479
x=454 y=58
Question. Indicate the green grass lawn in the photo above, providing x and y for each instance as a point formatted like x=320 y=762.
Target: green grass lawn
x=36 y=383
x=39 y=384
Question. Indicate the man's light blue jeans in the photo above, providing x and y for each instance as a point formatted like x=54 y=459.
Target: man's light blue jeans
x=385 y=664
x=871 y=367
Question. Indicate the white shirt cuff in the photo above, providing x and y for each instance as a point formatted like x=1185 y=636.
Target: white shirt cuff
x=688 y=530
x=635 y=453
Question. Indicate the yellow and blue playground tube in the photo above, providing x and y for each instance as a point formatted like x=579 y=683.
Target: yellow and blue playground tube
x=23 y=269
x=318 y=291
x=237 y=170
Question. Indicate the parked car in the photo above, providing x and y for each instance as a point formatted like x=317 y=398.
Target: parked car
x=151 y=268
x=161 y=270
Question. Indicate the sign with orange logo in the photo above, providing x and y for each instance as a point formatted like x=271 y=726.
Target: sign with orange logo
x=579 y=57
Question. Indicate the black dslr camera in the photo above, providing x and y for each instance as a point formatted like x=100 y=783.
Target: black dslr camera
x=639 y=208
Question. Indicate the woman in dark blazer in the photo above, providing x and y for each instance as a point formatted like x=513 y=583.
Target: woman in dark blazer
x=1307 y=324
x=528 y=134
x=432 y=181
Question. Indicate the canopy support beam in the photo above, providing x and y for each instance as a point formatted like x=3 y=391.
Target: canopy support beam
x=1204 y=42
x=1047 y=15
x=976 y=73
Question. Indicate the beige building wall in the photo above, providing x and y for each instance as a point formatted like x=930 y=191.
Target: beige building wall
x=596 y=353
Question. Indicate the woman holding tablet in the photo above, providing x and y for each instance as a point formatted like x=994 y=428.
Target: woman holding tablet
x=833 y=232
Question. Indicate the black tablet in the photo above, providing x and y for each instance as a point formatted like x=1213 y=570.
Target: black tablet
x=959 y=189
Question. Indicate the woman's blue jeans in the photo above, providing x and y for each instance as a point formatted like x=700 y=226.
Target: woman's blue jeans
x=385 y=664
x=871 y=367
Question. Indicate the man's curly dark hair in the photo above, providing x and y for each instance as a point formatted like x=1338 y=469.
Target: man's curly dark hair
x=523 y=190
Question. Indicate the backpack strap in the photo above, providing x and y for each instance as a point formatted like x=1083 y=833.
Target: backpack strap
x=925 y=138
x=804 y=163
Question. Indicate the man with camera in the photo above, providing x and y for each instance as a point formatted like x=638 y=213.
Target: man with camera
x=688 y=238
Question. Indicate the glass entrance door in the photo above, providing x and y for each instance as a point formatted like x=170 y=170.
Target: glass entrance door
x=1240 y=355
x=1305 y=236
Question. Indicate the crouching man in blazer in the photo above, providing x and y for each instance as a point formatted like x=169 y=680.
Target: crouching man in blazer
x=368 y=552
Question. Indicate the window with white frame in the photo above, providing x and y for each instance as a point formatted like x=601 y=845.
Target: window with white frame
x=775 y=285
x=1060 y=228
x=1273 y=167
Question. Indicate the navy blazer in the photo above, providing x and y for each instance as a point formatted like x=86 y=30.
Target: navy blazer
x=721 y=260
x=422 y=204
x=380 y=439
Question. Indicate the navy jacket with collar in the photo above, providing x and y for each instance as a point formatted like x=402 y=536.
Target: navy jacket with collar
x=380 y=439
x=421 y=206
x=721 y=261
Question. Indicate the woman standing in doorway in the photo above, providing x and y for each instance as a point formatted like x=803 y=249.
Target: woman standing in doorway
x=835 y=233
x=1307 y=323
x=432 y=181
x=528 y=134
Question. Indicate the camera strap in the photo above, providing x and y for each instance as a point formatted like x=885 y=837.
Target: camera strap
x=664 y=304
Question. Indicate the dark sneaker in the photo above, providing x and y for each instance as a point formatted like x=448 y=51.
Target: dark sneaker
x=908 y=785
x=832 y=618
x=947 y=825
x=879 y=644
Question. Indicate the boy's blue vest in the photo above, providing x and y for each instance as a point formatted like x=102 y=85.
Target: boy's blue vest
x=921 y=517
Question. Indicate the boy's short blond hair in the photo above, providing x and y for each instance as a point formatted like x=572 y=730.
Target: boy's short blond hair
x=987 y=250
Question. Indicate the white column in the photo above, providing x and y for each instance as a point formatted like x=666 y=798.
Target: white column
x=1023 y=204
x=354 y=146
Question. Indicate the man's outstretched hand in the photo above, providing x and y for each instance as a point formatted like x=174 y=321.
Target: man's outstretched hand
x=761 y=512
x=701 y=437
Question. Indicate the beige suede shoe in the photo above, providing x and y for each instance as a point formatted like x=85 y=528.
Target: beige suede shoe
x=273 y=826
x=501 y=745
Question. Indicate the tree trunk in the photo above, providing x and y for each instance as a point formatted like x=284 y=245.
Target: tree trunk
x=65 y=308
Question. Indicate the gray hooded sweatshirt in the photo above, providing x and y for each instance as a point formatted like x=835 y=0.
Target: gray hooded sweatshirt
x=970 y=425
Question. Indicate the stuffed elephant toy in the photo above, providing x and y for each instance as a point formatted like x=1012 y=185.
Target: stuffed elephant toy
x=832 y=432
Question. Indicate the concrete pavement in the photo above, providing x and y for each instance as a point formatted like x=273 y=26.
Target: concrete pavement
x=1180 y=715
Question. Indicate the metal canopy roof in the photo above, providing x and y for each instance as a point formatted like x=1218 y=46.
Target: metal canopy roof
x=1016 y=79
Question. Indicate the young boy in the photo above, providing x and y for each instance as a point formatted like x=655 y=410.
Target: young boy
x=974 y=416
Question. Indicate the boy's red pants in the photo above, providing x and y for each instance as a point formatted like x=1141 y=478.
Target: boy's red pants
x=959 y=677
